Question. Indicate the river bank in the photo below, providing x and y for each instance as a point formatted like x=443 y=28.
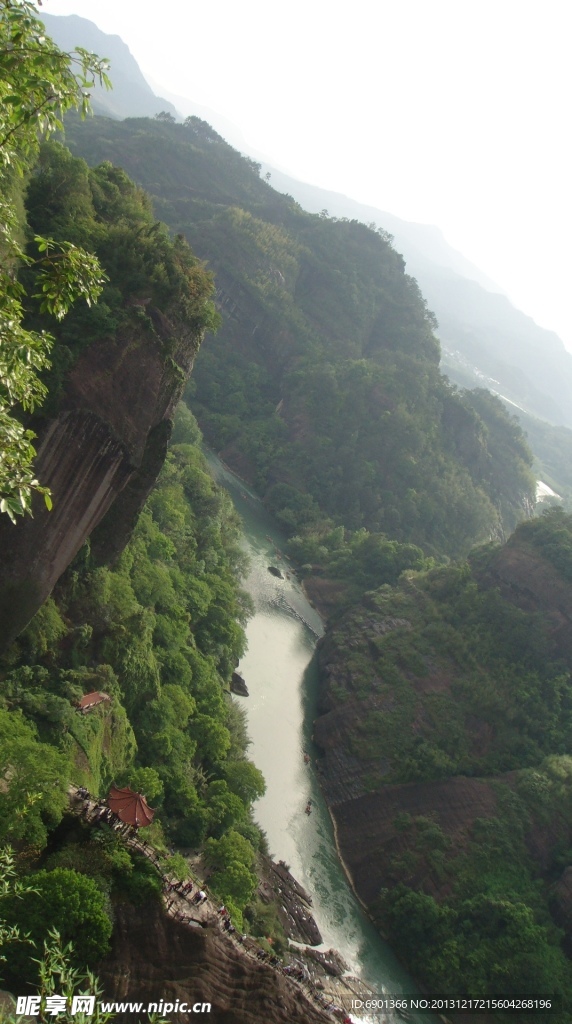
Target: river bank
x=312 y=981
x=283 y=686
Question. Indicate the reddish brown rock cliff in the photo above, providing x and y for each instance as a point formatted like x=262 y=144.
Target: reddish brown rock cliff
x=154 y=957
x=106 y=445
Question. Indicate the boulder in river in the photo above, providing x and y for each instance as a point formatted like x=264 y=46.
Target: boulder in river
x=292 y=902
x=332 y=962
x=237 y=685
x=275 y=571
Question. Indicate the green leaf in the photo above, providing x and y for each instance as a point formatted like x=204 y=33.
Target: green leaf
x=38 y=83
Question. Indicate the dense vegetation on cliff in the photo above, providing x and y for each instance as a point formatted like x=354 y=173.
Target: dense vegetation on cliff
x=323 y=385
x=146 y=269
x=37 y=85
x=160 y=633
x=459 y=662
x=447 y=711
x=158 y=628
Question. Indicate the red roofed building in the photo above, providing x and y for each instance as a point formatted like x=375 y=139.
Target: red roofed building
x=91 y=700
x=131 y=807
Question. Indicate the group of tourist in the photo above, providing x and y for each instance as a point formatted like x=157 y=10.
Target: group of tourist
x=99 y=813
x=296 y=971
x=178 y=886
x=185 y=891
x=105 y=816
x=268 y=958
x=226 y=921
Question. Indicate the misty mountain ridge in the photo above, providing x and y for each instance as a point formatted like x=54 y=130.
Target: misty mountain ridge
x=131 y=95
x=485 y=340
x=416 y=242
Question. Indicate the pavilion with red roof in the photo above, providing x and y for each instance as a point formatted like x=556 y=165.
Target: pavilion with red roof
x=130 y=807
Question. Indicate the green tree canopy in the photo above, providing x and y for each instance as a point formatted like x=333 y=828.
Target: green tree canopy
x=38 y=83
x=232 y=857
x=146 y=781
x=33 y=782
x=61 y=899
x=246 y=780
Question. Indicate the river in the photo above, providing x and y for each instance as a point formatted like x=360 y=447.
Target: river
x=282 y=682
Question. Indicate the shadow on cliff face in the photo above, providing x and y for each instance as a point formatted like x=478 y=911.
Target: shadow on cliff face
x=154 y=958
x=100 y=455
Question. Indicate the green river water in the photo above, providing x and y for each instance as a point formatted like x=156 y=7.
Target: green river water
x=282 y=683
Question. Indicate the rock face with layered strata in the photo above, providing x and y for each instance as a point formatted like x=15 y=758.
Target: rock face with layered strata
x=154 y=957
x=102 y=451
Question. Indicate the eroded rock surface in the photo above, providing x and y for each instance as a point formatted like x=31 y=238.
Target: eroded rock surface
x=292 y=901
x=154 y=957
x=102 y=450
x=238 y=685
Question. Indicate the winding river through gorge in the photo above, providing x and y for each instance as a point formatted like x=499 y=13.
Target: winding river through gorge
x=282 y=683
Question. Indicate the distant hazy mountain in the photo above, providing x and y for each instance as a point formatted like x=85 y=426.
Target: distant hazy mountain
x=187 y=107
x=131 y=96
x=485 y=340
x=418 y=242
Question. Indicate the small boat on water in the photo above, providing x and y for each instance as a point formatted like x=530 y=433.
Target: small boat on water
x=306 y=759
x=309 y=807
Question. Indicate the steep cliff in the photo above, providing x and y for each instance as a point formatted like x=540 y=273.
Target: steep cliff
x=118 y=371
x=323 y=386
x=155 y=957
x=445 y=730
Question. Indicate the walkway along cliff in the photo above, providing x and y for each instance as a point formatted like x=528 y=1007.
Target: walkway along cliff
x=187 y=954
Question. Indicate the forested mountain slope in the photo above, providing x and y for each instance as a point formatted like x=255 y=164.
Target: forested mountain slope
x=118 y=370
x=447 y=704
x=323 y=386
x=485 y=340
x=149 y=613
x=445 y=730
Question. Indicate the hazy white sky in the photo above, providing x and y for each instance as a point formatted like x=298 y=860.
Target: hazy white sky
x=449 y=112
